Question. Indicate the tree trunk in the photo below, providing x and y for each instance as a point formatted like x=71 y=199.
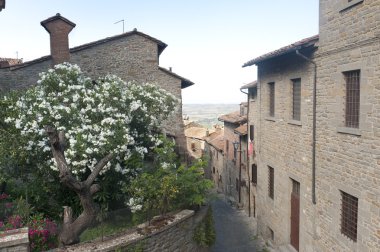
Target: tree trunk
x=72 y=229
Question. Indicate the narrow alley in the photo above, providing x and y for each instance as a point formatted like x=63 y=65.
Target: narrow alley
x=234 y=232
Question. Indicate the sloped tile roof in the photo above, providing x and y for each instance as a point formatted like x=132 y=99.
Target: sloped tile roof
x=216 y=140
x=10 y=61
x=2 y=4
x=252 y=84
x=233 y=117
x=307 y=42
x=196 y=132
x=184 y=82
x=241 y=130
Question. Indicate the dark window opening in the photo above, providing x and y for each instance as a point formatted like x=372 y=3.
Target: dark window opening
x=271 y=182
x=254 y=174
x=251 y=132
x=271 y=99
x=349 y=216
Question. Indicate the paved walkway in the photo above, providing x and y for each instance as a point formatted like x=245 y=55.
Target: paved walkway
x=234 y=231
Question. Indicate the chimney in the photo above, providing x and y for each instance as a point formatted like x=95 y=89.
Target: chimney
x=59 y=29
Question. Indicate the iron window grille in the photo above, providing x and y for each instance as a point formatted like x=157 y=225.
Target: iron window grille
x=271 y=182
x=352 y=79
x=296 y=115
x=271 y=99
x=349 y=216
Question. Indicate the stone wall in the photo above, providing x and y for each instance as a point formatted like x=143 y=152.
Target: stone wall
x=16 y=240
x=284 y=145
x=176 y=236
x=348 y=159
x=132 y=57
x=216 y=167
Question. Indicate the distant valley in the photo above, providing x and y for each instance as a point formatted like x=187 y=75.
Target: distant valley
x=207 y=114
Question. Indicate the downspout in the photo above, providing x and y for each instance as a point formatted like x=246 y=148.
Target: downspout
x=314 y=122
x=249 y=179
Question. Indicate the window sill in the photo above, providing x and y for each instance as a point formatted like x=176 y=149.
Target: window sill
x=269 y=118
x=295 y=122
x=350 y=131
x=346 y=5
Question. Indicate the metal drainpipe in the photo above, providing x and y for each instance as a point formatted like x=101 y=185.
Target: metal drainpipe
x=314 y=122
x=249 y=179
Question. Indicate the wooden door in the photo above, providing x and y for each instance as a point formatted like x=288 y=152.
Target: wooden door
x=295 y=215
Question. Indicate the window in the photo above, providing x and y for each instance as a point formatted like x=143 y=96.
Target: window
x=271 y=182
x=271 y=99
x=352 y=79
x=254 y=174
x=349 y=216
x=227 y=147
x=213 y=170
x=251 y=132
x=296 y=113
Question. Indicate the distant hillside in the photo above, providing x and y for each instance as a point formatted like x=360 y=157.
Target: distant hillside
x=207 y=114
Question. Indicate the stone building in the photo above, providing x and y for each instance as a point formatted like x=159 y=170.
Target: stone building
x=214 y=149
x=195 y=140
x=131 y=56
x=317 y=135
x=234 y=155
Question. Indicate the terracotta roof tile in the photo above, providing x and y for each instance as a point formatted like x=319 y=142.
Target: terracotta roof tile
x=216 y=140
x=233 y=117
x=241 y=130
x=252 y=84
x=307 y=42
x=196 y=132
x=6 y=62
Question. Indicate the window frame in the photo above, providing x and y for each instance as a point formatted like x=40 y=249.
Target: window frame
x=349 y=215
x=271 y=182
x=352 y=98
x=271 y=99
x=296 y=98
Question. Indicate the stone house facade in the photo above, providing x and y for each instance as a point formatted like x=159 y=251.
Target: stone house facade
x=214 y=150
x=133 y=56
x=317 y=134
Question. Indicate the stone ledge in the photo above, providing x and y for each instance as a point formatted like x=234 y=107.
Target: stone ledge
x=14 y=238
x=295 y=122
x=350 y=131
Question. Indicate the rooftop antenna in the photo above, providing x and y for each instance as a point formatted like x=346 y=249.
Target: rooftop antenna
x=119 y=22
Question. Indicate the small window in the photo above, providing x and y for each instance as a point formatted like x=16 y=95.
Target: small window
x=271 y=182
x=251 y=132
x=271 y=99
x=352 y=79
x=213 y=170
x=349 y=216
x=254 y=174
x=296 y=113
x=227 y=147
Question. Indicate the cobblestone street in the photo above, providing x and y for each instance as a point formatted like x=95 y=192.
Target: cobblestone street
x=234 y=230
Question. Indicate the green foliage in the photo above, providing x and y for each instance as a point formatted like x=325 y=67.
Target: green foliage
x=166 y=185
x=204 y=234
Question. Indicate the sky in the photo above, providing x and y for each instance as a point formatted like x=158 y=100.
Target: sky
x=208 y=40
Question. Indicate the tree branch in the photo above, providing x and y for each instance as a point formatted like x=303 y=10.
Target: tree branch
x=57 y=142
x=94 y=189
x=98 y=167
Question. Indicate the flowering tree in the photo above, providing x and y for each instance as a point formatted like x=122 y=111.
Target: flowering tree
x=78 y=126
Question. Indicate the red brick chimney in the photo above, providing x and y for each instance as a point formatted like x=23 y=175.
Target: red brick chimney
x=59 y=29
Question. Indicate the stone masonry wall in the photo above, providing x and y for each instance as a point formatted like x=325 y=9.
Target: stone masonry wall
x=176 y=236
x=131 y=58
x=348 y=159
x=284 y=145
